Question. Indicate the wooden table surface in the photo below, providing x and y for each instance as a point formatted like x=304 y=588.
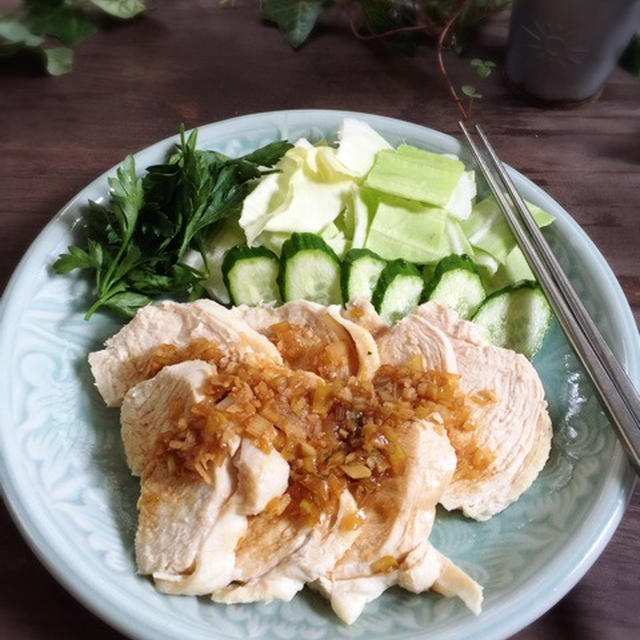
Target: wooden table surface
x=197 y=62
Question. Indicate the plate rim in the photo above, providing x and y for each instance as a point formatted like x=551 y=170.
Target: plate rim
x=620 y=470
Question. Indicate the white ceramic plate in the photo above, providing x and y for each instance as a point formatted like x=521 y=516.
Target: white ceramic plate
x=66 y=483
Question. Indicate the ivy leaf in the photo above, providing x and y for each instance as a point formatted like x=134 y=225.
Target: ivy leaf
x=120 y=8
x=295 y=18
x=16 y=35
x=66 y=23
x=387 y=15
x=470 y=91
x=58 y=60
x=483 y=67
x=630 y=60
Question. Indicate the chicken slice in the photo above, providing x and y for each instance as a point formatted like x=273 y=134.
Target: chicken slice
x=445 y=318
x=147 y=405
x=311 y=552
x=398 y=520
x=319 y=327
x=174 y=517
x=400 y=513
x=188 y=529
x=515 y=430
x=260 y=477
x=366 y=347
x=424 y=568
x=413 y=335
x=512 y=427
x=126 y=357
x=363 y=313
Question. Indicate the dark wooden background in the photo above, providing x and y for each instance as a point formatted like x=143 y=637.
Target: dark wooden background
x=197 y=62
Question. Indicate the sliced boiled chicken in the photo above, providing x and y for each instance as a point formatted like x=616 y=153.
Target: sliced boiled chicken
x=424 y=568
x=363 y=313
x=309 y=335
x=415 y=336
x=510 y=418
x=392 y=547
x=188 y=529
x=400 y=513
x=127 y=355
x=147 y=406
x=255 y=416
x=174 y=518
x=309 y=554
x=502 y=454
x=341 y=564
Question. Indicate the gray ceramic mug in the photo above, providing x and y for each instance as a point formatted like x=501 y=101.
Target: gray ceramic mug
x=562 y=51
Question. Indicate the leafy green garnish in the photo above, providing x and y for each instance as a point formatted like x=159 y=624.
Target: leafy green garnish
x=136 y=244
x=35 y=26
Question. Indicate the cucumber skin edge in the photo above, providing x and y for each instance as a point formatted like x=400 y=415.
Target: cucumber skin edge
x=245 y=252
x=345 y=272
x=393 y=269
x=522 y=284
x=295 y=244
x=449 y=263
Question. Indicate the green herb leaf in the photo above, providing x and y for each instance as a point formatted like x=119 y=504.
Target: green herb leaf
x=137 y=240
x=126 y=303
x=58 y=60
x=483 y=67
x=121 y=8
x=470 y=91
x=295 y=18
x=268 y=155
x=76 y=258
x=67 y=23
x=127 y=196
x=14 y=32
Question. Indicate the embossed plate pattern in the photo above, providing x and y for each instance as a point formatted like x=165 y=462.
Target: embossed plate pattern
x=66 y=483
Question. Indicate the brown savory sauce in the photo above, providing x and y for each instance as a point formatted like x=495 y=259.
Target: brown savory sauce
x=335 y=433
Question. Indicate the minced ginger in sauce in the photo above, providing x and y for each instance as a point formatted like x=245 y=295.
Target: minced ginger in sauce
x=335 y=432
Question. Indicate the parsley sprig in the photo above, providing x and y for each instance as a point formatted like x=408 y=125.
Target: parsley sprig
x=137 y=242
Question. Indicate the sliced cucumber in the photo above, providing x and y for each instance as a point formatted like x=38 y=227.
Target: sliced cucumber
x=309 y=270
x=456 y=283
x=251 y=275
x=398 y=290
x=516 y=317
x=361 y=269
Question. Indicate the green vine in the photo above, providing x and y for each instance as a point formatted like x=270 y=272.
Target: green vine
x=405 y=24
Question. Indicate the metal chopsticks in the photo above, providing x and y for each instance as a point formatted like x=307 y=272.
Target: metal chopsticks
x=616 y=391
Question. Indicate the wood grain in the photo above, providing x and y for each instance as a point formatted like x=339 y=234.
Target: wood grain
x=197 y=62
